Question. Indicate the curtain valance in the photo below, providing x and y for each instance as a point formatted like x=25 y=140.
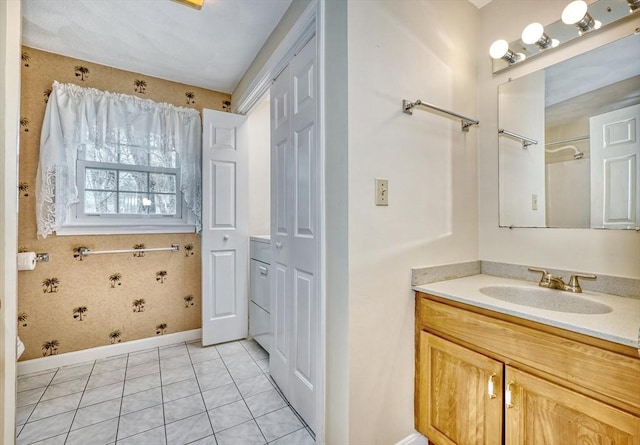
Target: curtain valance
x=81 y=120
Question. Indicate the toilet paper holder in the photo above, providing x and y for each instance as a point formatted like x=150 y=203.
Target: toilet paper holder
x=42 y=257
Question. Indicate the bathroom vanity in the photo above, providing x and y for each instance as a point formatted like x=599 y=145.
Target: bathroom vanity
x=495 y=372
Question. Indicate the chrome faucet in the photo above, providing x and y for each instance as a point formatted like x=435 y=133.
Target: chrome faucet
x=556 y=282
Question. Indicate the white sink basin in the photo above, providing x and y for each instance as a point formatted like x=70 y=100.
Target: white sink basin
x=549 y=299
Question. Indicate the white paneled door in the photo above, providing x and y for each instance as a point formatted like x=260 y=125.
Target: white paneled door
x=615 y=165
x=225 y=240
x=295 y=240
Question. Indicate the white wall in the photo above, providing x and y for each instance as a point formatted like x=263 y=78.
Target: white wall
x=334 y=134
x=403 y=50
x=522 y=169
x=9 y=124
x=611 y=252
x=258 y=124
x=568 y=193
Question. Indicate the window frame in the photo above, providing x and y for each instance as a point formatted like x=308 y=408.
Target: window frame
x=81 y=223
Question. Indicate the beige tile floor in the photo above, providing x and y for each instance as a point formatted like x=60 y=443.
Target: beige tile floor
x=178 y=394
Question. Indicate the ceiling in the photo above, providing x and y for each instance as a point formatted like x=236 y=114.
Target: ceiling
x=595 y=82
x=593 y=69
x=480 y=3
x=210 y=48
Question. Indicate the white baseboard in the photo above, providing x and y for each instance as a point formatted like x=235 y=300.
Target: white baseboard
x=414 y=439
x=87 y=355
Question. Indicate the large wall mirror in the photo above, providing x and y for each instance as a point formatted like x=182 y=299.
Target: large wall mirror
x=569 y=142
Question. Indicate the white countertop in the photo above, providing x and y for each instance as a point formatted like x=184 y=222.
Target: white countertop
x=261 y=238
x=621 y=325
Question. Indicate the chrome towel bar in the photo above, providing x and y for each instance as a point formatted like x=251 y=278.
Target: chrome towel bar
x=565 y=141
x=83 y=252
x=466 y=122
x=525 y=140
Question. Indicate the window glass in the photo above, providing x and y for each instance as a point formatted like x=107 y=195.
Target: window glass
x=133 y=181
x=162 y=183
x=132 y=203
x=163 y=204
x=101 y=202
x=100 y=179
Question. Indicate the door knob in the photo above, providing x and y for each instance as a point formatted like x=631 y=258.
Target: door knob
x=278 y=245
x=226 y=237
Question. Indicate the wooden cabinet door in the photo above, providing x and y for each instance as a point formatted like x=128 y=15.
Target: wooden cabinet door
x=453 y=404
x=543 y=413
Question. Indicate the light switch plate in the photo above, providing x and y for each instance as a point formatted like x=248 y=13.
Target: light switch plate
x=382 y=192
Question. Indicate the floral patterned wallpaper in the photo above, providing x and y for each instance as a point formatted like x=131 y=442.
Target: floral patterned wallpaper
x=73 y=302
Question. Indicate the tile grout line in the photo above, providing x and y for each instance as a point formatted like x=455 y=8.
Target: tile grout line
x=201 y=393
x=164 y=418
x=138 y=392
x=36 y=404
x=57 y=370
x=241 y=396
x=79 y=401
x=124 y=382
x=277 y=389
x=235 y=381
x=53 y=398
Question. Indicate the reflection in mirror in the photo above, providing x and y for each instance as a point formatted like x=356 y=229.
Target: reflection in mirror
x=584 y=114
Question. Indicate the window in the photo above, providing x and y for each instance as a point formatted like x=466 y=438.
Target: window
x=111 y=189
x=112 y=163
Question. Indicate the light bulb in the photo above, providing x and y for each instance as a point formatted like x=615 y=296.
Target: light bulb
x=574 y=12
x=499 y=49
x=532 y=33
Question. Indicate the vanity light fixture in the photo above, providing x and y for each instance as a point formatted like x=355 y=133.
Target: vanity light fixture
x=536 y=37
x=500 y=50
x=575 y=13
x=534 y=34
x=195 y=4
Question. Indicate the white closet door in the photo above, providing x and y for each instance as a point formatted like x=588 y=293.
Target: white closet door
x=281 y=173
x=295 y=232
x=615 y=165
x=225 y=241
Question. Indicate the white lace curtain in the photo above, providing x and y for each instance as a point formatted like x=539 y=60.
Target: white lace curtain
x=81 y=119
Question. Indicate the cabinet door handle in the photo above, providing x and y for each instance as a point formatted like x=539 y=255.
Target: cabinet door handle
x=278 y=245
x=507 y=395
x=492 y=394
x=263 y=270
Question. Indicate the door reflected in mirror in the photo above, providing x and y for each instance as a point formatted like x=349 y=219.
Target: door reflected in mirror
x=569 y=146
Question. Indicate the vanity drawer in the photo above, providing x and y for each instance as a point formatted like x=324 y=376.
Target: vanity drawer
x=260 y=325
x=260 y=249
x=260 y=286
x=600 y=373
